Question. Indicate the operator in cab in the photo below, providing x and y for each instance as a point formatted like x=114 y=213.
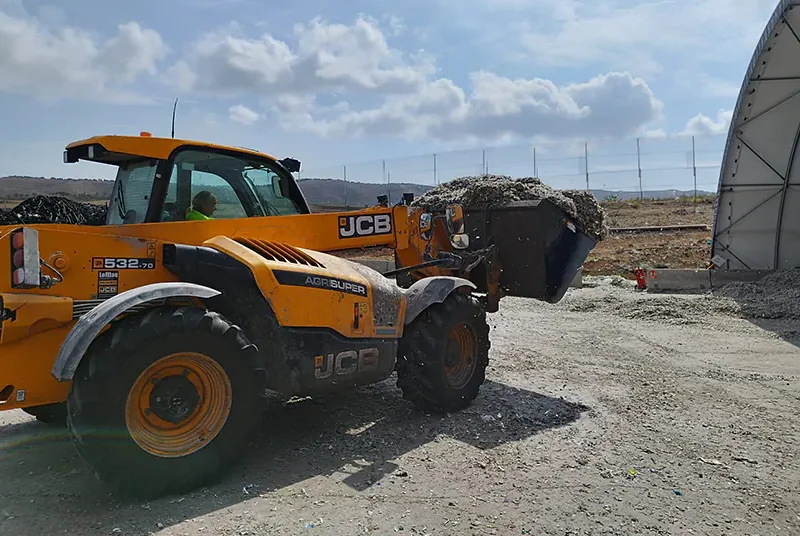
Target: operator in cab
x=203 y=206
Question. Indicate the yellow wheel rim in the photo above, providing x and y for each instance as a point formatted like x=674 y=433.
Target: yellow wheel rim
x=461 y=355
x=178 y=404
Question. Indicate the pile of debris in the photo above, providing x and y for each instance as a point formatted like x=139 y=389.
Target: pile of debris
x=487 y=191
x=53 y=209
x=776 y=296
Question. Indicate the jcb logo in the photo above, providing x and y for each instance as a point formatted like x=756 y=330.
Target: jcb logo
x=366 y=225
x=345 y=363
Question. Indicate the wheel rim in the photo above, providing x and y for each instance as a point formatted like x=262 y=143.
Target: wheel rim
x=178 y=404
x=461 y=357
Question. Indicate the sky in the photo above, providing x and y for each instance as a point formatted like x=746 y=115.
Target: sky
x=335 y=83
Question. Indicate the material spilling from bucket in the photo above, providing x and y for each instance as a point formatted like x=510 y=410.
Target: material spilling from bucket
x=53 y=209
x=486 y=191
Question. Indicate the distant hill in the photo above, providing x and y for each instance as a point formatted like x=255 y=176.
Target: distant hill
x=12 y=188
x=320 y=192
x=331 y=192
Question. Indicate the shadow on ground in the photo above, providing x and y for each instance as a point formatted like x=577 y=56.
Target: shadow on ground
x=46 y=484
x=788 y=330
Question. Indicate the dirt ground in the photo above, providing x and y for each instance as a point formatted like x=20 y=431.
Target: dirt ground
x=612 y=412
x=621 y=253
x=659 y=212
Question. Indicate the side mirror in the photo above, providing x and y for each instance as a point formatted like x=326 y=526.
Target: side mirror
x=425 y=225
x=455 y=219
x=292 y=165
x=459 y=241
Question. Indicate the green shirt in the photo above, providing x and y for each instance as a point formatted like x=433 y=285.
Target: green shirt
x=195 y=215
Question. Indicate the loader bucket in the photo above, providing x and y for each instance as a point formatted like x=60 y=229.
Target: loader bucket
x=540 y=249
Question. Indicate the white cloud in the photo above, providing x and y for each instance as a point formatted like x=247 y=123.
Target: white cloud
x=396 y=24
x=345 y=80
x=330 y=79
x=615 y=104
x=325 y=57
x=622 y=34
x=69 y=62
x=243 y=114
x=702 y=125
x=134 y=51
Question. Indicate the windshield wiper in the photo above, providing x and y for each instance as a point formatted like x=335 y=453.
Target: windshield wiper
x=123 y=213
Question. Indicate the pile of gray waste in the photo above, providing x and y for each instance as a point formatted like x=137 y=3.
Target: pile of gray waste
x=486 y=191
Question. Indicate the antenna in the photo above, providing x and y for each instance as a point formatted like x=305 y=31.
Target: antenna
x=174 y=109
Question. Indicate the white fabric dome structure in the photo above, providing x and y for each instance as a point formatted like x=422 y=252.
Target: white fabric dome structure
x=757 y=219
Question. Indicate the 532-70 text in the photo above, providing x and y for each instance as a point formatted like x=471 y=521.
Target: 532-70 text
x=122 y=263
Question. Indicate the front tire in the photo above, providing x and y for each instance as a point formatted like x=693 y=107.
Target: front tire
x=165 y=401
x=443 y=355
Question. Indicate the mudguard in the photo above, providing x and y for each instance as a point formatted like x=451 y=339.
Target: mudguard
x=429 y=291
x=90 y=325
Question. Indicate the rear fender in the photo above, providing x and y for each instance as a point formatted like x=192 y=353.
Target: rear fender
x=90 y=325
x=430 y=291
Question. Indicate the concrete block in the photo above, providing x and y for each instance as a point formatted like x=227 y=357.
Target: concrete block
x=673 y=279
x=723 y=277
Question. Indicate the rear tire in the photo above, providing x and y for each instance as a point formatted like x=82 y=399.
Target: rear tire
x=443 y=355
x=54 y=414
x=165 y=401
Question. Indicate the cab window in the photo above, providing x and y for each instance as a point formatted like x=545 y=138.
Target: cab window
x=130 y=196
x=211 y=185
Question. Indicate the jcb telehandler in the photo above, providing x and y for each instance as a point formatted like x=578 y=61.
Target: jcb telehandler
x=155 y=336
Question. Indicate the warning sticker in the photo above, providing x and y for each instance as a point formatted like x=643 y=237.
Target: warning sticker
x=107 y=284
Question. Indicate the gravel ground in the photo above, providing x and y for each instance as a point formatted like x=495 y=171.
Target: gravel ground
x=602 y=414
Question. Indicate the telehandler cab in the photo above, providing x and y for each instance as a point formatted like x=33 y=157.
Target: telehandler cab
x=155 y=336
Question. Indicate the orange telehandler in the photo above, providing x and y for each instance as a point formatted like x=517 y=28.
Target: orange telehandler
x=155 y=336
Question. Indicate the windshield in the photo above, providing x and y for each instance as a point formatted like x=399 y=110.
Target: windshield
x=271 y=190
x=131 y=195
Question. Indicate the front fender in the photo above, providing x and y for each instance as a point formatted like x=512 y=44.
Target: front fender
x=90 y=325
x=429 y=291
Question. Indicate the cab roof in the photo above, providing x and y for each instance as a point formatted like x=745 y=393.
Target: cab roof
x=115 y=149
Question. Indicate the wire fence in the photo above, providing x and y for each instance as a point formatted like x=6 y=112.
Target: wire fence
x=642 y=167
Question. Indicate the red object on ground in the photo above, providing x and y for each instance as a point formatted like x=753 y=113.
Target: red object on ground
x=641 y=278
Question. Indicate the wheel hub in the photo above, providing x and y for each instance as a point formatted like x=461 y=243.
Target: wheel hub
x=453 y=353
x=174 y=398
x=460 y=359
x=178 y=404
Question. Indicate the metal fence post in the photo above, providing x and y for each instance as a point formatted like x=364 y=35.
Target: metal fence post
x=483 y=167
x=586 y=162
x=639 y=167
x=535 y=171
x=344 y=176
x=434 y=169
x=386 y=181
x=694 y=169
